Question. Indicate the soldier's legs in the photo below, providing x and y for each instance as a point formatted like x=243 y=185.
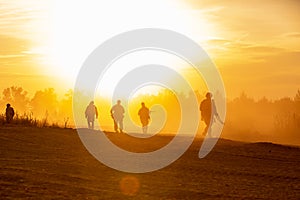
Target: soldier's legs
x=88 y=122
x=205 y=130
x=115 y=125
x=121 y=125
x=145 y=128
x=144 y=125
x=207 y=122
x=8 y=119
x=92 y=124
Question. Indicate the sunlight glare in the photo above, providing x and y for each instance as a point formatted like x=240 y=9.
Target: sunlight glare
x=80 y=26
x=108 y=82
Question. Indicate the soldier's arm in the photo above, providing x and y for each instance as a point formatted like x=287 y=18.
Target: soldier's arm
x=96 y=112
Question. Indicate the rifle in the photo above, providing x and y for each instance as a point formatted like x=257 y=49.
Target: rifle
x=219 y=119
x=151 y=111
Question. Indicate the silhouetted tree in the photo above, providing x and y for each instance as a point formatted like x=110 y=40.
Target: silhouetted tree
x=44 y=101
x=65 y=107
x=17 y=97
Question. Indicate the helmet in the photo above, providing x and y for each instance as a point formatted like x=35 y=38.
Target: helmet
x=208 y=95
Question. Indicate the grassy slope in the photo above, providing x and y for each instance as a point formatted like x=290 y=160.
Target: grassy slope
x=52 y=163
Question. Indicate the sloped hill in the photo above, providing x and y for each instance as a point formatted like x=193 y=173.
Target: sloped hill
x=47 y=163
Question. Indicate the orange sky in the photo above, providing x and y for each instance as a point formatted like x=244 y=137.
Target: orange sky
x=254 y=44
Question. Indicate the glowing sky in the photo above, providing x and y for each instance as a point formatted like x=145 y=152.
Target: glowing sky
x=254 y=44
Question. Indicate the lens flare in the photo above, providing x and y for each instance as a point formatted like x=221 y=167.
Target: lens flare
x=129 y=185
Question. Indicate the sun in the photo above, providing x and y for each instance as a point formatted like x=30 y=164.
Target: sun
x=78 y=27
x=132 y=61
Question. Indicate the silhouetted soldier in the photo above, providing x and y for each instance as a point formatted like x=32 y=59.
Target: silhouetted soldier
x=144 y=117
x=90 y=113
x=9 y=113
x=208 y=111
x=117 y=113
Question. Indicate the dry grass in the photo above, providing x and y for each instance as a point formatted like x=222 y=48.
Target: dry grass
x=28 y=120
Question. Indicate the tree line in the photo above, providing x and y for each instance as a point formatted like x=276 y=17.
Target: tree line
x=246 y=119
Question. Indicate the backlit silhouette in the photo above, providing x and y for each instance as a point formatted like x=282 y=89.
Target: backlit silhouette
x=144 y=117
x=117 y=113
x=9 y=113
x=208 y=111
x=90 y=113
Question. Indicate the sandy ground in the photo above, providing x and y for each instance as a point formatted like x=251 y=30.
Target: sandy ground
x=47 y=163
